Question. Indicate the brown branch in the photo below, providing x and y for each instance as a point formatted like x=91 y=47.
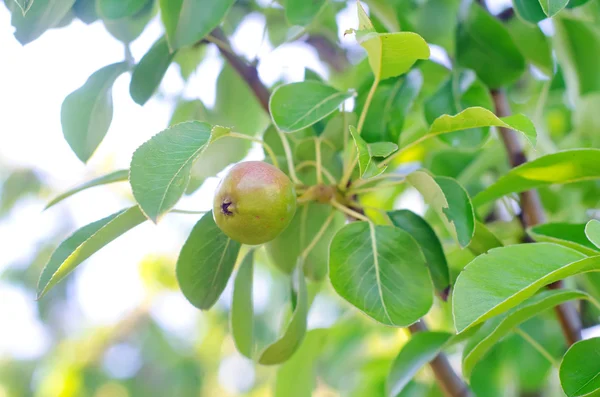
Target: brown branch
x=452 y=385
x=448 y=380
x=532 y=213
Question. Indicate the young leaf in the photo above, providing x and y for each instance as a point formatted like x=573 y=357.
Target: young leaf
x=390 y=54
x=286 y=346
x=149 y=72
x=484 y=45
x=530 y=11
x=41 y=16
x=205 y=263
x=420 y=230
x=242 y=310
x=366 y=152
x=504 y=277
x=553 y=7
x=302 y=12
x=497 y=328
x=189 y=21
x=87 y=112
x=592 y=231
x=84 y=243
x=562 y=167
x=450 y=200
x=570 y=235
x=160 y=168
x=382 y=149
x=115 y=9
x=580 y=369
x=296 y=106
x=116 y=176
x=381 y=271
x=420 y=349
x=296 y=377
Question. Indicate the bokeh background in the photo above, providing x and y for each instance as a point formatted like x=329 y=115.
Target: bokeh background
x=118 y=326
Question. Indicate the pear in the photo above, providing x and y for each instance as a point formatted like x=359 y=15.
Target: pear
x=254 y=203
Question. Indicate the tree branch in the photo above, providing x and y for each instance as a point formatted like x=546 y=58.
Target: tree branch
x=448 y=380
x=532 y=213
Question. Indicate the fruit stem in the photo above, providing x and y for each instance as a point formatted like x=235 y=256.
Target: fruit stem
x=362 y=182
x=267 y=147
x=319 y=162
x=288 y=156
x=348 y=211
x=325 y=171
x=375 y=188
x=317 y=236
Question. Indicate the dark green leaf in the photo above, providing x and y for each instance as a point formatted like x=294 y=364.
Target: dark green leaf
x=87 y=112
x=115 y=9
x=85 y=10
x=205 y=263
x=570 y=235
x=160 y=168
x=286 y=346
x=381 y=271
x=242 y=310
x=84 y=243
x=484 y=45
x=420 y=230
x=189 y=21
x=41 y=16
x=149 y=72
x=530 y=11
x=498 y=281
x=533 y=43
x=580 y=369
x=562 y=167
x=116 y=176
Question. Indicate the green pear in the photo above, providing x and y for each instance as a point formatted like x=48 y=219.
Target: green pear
x=254 y=203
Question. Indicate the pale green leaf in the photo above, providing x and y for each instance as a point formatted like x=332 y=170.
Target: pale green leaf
x=382 y=149
x=504 y=277
x=87 y=112
x=242 y=310
x=189 y=21
x=562 y=167
x=130 y=28
x=84 y=243
x=553 y=7
x=483 y=240
x=296 y=106
x=41 y=16
x=149 y=72
x=572 y=235
x=160 y=168
x=115 y=9
x=290 y=341
x=24 y=5
x=420 y=349
x=381 y=271
x=592 y=231
x=580 y=369
x=116 y=176
x=497 y=328
x=450 y=200
x=362 y=147
x=205 y=263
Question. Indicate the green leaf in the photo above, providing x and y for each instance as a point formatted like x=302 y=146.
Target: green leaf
x=420 y=349
x=84 y=243
x=189 y=111
x=450 y=200
x=116 y=176
x=498 y=281
x=484 y=45
x=149 y=72
x=302 y=12
x=390 y=54
x=381 y=271
x=580 y=369
x=160 y=168
x=296 y=377
x=422 y=232
x=87 y=112
x=483 y=240
x=592 y=231
x=189 y=21
x=366 y=152
x=130 y=28
x=530 y=11
x=205 y=263
x=563 y=167
x=41 y=16
x=86 y=11
x=382 y=149
x=570 y=235
x=533 y=43
x=497 y=328
x=553 y=7
x=296 y=106
x=115 y=9
x=242 y=310
x=24 y=5
x=286 y=346
x=284 y=250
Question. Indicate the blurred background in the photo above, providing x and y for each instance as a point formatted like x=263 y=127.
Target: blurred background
x=118 y=326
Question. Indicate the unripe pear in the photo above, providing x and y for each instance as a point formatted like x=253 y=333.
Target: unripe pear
x=254 y=203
